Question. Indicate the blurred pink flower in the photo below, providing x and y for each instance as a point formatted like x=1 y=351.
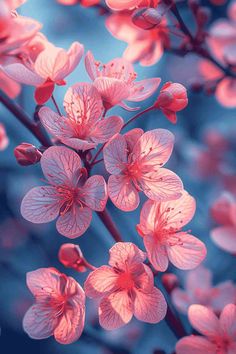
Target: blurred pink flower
x=59 y=308
x=219 y=334
x=85 y=3
x=51 y=66
x=115 y=81
x=4 y=141
x=199 y=290
x=135 y=162
x=223 y=212
x=120 y=5
x=84 y=127
x=144 y=46
x=70 y=195
x=126 y=288
x=161 y=228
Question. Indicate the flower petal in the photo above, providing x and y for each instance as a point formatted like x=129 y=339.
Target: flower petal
x=55 y=124
x=204 y=320
x=94 y=193
x=112 y=90
x=125 y=254
x=74 y=53
x=115 y=154
x=44 y=281
x=141 y=90
x=132 y=136
x=156 y=252
x=90 y=65
x=225 y=238
x=228 y=321
x=22 y=74
x=100 y=281
x=181 y=300
x=195 y=345
x=106 y=128
x=44 y=92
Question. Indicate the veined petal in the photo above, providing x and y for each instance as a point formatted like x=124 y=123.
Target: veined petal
x=55 y=124
x=90 y=65
x=125 y=254
x=115 y=154
x=141 y=90
x=44 y=282
x=94 y=193
x=132 y=136
x=78 y=144
x=106 y=128
x=100 y=281
x=112 y=90
x=156 y=252
x=22 y=74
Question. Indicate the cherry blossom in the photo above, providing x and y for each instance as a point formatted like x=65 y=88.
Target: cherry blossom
x=161 y=228
x=219 y=334
x=70 y=195
x=84 y=127
x=224 y=213
x=59 y=308
x=125 y=288
x=115 y=81
x=4 y=141
x=146 y=47
x=135 y=162
x=51 y=67
x=199 y=290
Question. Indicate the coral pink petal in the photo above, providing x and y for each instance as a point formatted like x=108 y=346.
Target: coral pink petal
x=125 y=254
x=132 y=137
x=204 y=320
x=44 y=92
x=61 y=165
x=115 y=310
x=188 y=252
x=22 y=74
x=123 y=193
x=226 y=92
x=228 y=321
x=106 y=128
x=162 y=185
x=112 y=90
x=115 y=154
x=195 y=345
x=141 y=90
x=153 y=56
x=74 y=54
x=90 y=66
x=75 y=222
x=100 y=281
x=150 y=307
x=43 y=282
x=94 y=193
x=225 y=238
x=122 y=4
x=78 y=144
x=156 y=252
x=41 y=205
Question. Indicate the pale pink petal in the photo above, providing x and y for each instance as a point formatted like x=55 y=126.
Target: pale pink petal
x=55 y=124
x=100 y=281
x=115 y=310
x=187 y=253
x=228 y=321
x=195 y=345
x=141 y=90
x=75 y=222
x=162 y=185
x=43 y=282
x=39 y=322
x=154 y=55
x=204 y=320
x=106 y=128
x=78 y=144
x=226 y=92
x=154 y=147
x=22 y=74
x=150 y=307
x=148 y=215
x=123 y=193
x=156 y=252
x=224 y=294
x=115 y=155
x=132 y=136
x=200 y=277
x=181 y=300
x=137 y=50
x=94 y=193
x=125 y=254
x=41 y=205
x=112 y=90
x=128 y=108
x=90 y=65
x=61 y=165
x=225 y=238
x=122 y=4
x=74 y=54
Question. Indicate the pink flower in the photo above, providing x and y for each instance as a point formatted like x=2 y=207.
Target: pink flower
x=135 y=162
x=70 y=195
x=4 y=141
x=172 y=98
x=126 y=288
x=115 y=81
x=59 y=308
x=219 y=334
x=146 y=47
x=224 y=212
x=122 y=4
x=84 y=127
x=199 y=290
x=51 y=66
x=161 y=228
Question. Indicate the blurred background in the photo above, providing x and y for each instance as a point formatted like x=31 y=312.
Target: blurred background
x=204 y=157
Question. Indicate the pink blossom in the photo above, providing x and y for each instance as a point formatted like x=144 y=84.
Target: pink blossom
x=219 y=334
x=115 y=81
x=224 y=213
x=146 y=47
x=135 y=162
x=84 y=127
x=51 y=66
x=59 y=308
x=161 y=228
x=199 y=290
x=172 y=98
x=126 y=288
x=70 y=195
x=4 y=141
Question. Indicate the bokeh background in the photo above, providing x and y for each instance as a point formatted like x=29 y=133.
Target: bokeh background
x=25 y=247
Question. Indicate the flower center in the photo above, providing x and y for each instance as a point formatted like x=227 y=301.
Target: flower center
x=125 y=281
x=69 y=196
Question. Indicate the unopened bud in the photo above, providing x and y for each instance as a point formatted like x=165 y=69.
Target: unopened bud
x=27 y=154
x=146 y=18
x=170 y=282
x=71 y=256
x=203 y=16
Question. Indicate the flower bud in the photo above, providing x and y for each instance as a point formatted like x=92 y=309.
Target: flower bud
x=71 y=256
x=203 y=16
x=27 y=154
x=170 y=282
x=172 y=98
x=194 y=5
x=146 y=18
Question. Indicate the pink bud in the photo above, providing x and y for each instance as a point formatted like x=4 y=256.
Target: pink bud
x=71 y=256
x=146 y=18
x=27 y=154
x=170 y=282
x=203 y=16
